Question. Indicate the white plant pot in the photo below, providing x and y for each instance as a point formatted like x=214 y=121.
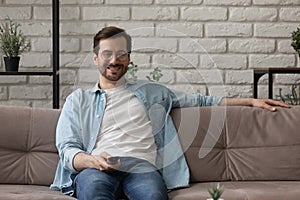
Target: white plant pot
x=213 y=199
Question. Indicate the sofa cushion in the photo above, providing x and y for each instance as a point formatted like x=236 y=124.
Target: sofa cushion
x=27 y=145
x=263 y=145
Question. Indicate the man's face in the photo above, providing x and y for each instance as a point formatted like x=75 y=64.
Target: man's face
x=113 y=58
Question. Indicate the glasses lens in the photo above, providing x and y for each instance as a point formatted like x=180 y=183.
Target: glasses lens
x=120 y=55
x=107 y=55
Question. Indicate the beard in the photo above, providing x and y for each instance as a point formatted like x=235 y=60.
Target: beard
x=113 y=72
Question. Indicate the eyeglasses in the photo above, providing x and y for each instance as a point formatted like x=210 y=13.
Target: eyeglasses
x=120 y=55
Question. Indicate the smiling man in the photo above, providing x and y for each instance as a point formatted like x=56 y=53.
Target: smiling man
x=117 y=140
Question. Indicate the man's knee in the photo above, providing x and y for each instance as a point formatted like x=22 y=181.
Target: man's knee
x=147 y=187
x=89 y=176
x=92 y=183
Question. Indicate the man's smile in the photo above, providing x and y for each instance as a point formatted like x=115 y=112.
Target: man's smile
x=114 y=67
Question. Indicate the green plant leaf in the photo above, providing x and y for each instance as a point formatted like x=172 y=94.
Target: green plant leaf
x=296 y=40
x=153 y=76
x=215 y=191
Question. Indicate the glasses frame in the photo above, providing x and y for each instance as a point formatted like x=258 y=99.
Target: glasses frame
x=108 y=55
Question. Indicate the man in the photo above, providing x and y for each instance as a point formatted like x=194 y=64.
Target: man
x=117 y=139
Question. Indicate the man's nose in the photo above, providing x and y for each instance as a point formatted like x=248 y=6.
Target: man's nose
x=114 y=59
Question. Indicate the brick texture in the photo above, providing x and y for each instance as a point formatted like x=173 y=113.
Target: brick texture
x=196 y=43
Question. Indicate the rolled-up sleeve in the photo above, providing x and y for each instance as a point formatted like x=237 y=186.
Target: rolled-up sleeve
x=67 y=134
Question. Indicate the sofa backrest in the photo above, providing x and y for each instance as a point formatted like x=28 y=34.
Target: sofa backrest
x=240 y=143
x=220 y=143
x=27 y=145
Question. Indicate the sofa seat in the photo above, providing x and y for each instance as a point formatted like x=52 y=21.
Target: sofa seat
x=30 y=192
x=242 y=190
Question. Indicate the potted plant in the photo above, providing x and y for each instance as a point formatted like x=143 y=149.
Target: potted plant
x=296 y=40
x=292 y=98
x=12 y=43
x=215 y=192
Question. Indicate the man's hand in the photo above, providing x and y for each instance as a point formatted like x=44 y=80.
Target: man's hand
x=82 y=161
x=104 y=165
x=268 y=104
x=260 y=103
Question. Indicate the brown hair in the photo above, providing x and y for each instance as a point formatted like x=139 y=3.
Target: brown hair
x=111 y=32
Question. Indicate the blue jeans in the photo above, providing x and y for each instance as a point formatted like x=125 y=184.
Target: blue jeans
x=137 y=179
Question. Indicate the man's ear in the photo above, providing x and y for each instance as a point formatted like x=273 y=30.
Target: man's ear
x=95 y=59
x=128 y=61
x=128 y=58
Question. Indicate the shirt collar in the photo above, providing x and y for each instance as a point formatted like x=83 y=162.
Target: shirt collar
x=96 y=87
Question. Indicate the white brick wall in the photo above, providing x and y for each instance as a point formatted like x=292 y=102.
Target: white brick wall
x=204 y=13
x=196 y=43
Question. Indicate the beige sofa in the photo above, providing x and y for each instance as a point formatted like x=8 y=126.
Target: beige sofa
x=253 y=153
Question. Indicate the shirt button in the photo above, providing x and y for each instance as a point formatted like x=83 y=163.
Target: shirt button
x=97 y=116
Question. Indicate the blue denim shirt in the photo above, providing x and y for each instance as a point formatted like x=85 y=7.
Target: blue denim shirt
x=80 y=122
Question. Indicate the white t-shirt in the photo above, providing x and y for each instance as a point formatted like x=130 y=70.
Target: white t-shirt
x=126 y=129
